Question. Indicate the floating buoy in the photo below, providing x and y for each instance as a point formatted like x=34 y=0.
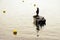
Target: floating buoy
x=14 y=32
x=23 y=1
x=4 y=11
x=37 y=35
x=34 y=5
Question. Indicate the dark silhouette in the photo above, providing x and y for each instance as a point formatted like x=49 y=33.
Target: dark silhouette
x=37 y=12
x=39 y=21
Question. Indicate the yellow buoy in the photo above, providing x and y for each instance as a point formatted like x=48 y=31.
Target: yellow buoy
x=14 y=32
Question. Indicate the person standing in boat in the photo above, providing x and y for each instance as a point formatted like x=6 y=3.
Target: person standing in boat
x=39 y=21
x=36 y=19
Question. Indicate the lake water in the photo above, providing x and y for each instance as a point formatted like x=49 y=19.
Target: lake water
x=18 y=17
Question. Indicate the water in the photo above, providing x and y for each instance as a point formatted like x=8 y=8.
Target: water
x=19 y=16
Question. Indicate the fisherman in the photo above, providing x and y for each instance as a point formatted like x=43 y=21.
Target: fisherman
x=36 y=19
x=39 y=21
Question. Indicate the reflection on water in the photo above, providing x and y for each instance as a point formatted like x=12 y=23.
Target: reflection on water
x=26 y=30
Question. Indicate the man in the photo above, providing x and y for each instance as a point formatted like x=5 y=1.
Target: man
x=36 y=19
x=39 y=21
